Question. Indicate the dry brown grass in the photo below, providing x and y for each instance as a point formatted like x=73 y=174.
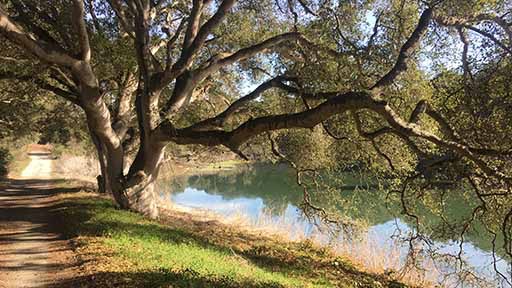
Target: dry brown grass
x=366 y=253
x=84 y=168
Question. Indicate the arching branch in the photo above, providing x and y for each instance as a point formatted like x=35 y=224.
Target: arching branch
x=16 y=34
x=187 y=82
x=42 y=84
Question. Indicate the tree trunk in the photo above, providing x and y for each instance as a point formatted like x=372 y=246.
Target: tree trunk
x=135 y=191
x=102 y=179
x=107 y=142
x=138 y=192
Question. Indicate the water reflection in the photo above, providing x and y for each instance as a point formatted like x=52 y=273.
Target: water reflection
x=271 y=193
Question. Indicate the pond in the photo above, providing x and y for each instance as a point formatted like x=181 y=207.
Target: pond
x=268 y=195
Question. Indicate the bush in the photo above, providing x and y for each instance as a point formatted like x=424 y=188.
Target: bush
x=5 y=158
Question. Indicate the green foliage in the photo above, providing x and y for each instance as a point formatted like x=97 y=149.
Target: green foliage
x=309 y=149
x=355 y=44
x=14 y=155
x=5 y=159
x=26 y=112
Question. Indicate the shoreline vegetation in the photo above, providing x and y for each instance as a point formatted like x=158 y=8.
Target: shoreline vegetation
x=194 y=248
x=190 y=247
x=123 y=249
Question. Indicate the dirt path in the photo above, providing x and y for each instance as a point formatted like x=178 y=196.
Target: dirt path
x=32 y=252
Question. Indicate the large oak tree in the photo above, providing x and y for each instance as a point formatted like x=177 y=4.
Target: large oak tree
x=140 y=68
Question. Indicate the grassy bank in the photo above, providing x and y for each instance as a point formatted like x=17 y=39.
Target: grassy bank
x=122 y=249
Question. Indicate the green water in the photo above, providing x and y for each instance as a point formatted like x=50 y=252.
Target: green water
x=262 y=188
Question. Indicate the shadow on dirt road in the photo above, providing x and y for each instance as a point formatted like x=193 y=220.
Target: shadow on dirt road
x=32 y=251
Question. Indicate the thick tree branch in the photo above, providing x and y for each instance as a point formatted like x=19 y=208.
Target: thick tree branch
x=193 y=23
x=83 y=36
x=47 y=54
x=248 y=52
x=124 y=16
x=310 y=118
x=211 y=24
x=219 y=120
x=186 y=83
x=277 y=82
x=406 y=51
x=188 y=53
x=253 y=127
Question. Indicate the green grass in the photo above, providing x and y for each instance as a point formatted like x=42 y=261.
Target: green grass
x=136 y=252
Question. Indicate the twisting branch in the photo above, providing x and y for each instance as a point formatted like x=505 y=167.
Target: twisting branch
x=371 y=137
x=92 y=12
x=371 y=40
x=63 y=79
x=211 y=24
x=468 y=24
x=489 y=36
x=250 y=51
x=307 y=204
x=340 y=33
x=465 y=62
x=69 y=96
x=306 y=7
x=188 y=82
x=277 y=82
x=449 y=132
x=172 y=41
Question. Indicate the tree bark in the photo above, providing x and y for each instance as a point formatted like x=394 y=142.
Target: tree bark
x=139 y=190
x=102 y=179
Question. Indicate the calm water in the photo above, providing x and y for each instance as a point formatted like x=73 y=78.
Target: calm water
x=270 y=194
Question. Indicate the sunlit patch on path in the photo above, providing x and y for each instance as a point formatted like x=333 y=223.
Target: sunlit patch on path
x=32 y=253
